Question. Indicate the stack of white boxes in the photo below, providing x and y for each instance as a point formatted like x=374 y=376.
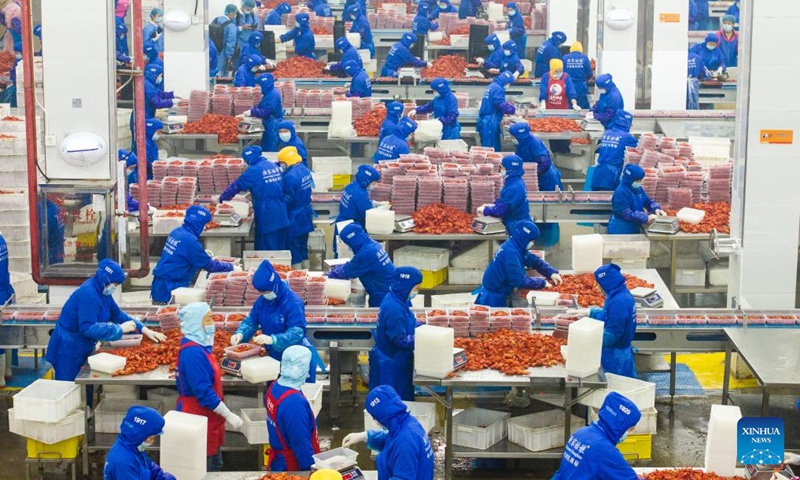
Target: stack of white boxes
x=721 y=440
x=183 y=445
x=47 y=412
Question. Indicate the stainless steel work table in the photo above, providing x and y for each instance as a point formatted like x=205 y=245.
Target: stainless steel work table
x=772 y=354
x=540 y=379
x=368 y=475
x=236 y=234
x=673 y=240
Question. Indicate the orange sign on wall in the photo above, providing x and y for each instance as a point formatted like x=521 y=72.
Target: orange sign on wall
x=777 y=137
x=669 y=17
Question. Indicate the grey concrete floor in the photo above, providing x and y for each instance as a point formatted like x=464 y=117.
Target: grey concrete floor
x=680 y=440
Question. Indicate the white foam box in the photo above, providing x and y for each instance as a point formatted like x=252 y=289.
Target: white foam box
x=379 y=221
x=334 y=165
x=584 y=347
x=423 y=258
x=479 y=428
x=453 y=300
x=541 y=431
x=110 y=412
x=183 y=445
x=424 y=412
x=72 y=425
x=587 y=253
x=465 y=276
x=433 y=351
x=690 y=272
x=47 y=401
x=254 y=427
x=721 y=445
x=718 y=275
x=107 y=362
x=459 y=41
x=646 y=426
x=626 y=246
x=629 y=263
x=641 y=393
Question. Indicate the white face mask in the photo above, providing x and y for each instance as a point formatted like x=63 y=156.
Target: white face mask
x=727 y=28
x=436 y=95
x=530 y=245
x=511 y=13
x=491 y=48
x=270 y=296
x=507 y=53
x=602 y=90
x=711 y=48
x=636 y=184
x=623 y=438
x=285 y=136
x=110 y=290
x=514 y=140
x=557 y=75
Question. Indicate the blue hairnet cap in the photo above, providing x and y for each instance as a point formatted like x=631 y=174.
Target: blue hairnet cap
x=266 y=279
x=510 y=45
x=560 y=37
x=505 y=78
x=342 y=43
x=632 y=172
x=491 y=39
x=248 y=3
x=109 y=271
x=367 y=174
x=384 y=404
x=512 y=162
x=284 y=8
x=156 y=11
x=266 y=80
x=394 y=107
x=302 y=17
x=256 y=37
x=609 y=277
x=525 y=232
x=604 y=80
x=197 y=215
x=440 y=85
x=351 y=67
x=423 y=8
x=354 y=236
x=408 y=39
x=140 y=423
x=295 y=364
x=520 y=129
x=512 y=5
x=618 y=414
x=252 y=154
x=230 y=8
x=712 y=37
x=729 y=19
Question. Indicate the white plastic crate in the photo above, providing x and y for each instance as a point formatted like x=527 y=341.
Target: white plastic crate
x=255 y=425
x=458 y=145
x=629 y=264
x=465 y=276
x=641 y=393
x=253 y=258
x=469 y=432
x=47 y=401
x=20 y=264
x=423 y=258
x=323 y=41
x=424 y=412
x=646 y=426
x=626 y=246
x=23 y=284
x=453 y=300
x=335 y=459
x=690 y=272
x=167 y=396
x=15 y=233
x=13 y=217
x=323 y=182
x=334 y=165
x=718 y=275
x=237 y=403
x=164 y=225
x=541 y=431
x=459 y=41
x=313 y=393
x=110 y=412
x=72 y=425
x=13 y=201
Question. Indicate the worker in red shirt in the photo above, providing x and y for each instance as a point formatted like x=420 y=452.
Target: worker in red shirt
x=557 y=92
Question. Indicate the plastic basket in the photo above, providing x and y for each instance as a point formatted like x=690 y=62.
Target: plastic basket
x=424 y=258
x=47 y=401
x=254 y=427
x=335 y=165
x=541 y=431
x=637 y=447
x=452 y=300
x=72 y=425
x=431 y=279
x=110 y=412
x=60 y=450
x=641 y=393
x=465 y=276
x=479 y=428
x=335 y=459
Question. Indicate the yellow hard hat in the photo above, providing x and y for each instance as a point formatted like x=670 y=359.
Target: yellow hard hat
x=289 y=156
x=326 y=474
x=556 y=64
x=576 y=47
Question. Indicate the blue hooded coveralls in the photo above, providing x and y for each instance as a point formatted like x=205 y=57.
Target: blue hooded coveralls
x=695 y=71
x=591 y=453
x=183 y=256
x=121 y=45
x=154 y=96
x=297 y=186
x=151 y=127
x=125 y=461
x=494 y=45
x=517 y=31
x=294 y=140
x=547 y=51
x=320 y=8
x=712 y=59
x=733 y=10
x=511 y=63
x=701 y=20
x=605 y=109
x=512 y=206
x=304 y=43
x=361 y=27
x=391 y=361
x=469 y=8
x=349 y=52
x=579 y=68
x=619 y=315
x=370 y=264
x=400 y=55
x=438 y=9
x=264 y=181
x=493 y=107
x=445 y=109
x=284 y=318
x=88 y=316
x=230 y=37
x=355 y=200
x=252 y=47
x=270 y=111
x=6 y=289
x=360 y=84
x=213 y=67
x=506 y=272
x=395 y=144
x=628 y=203
x=245 y=76
x=404 y=449
x=422 y=25
x=611 y=152
x=531 y=148
x=274 y=17
x=151 y=52
x=394 y=110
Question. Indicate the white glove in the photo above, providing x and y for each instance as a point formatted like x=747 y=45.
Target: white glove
x=791 y=458
x=377 y=204
x=210 y=253
x=263 y=339
x=354 y=439
x=223 y=411
x=237 y=268
x=542 y=106
x=246 y=113
x=516 y=75
x=412 y=113
x=577 y=107
x=236 y=339
x=556 y=279
x=482 y=209
x=430 y=64
x=589 y=116
x=479 y=61
x=151 y=209
x=661 y=213
x=269 y=63
x=157 y=337
x=128 y=327
x=651 y=219
x=578 y=312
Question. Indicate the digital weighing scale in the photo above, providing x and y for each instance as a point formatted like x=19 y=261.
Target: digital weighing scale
x=229 y=365
x=592 y=126
x=473 y=73
x=459 y=358
x=172 y=127
x=232 y=220
x=647 y=297
x=403 y=223
x=350 y=472
x=768 y=472
x=409 y=73
x=488 y=225
x=668 y=225
x=251 y=126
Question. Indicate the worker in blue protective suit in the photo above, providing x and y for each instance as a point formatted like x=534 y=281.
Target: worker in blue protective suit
x=183 y=256
x=320 y=8
x=404 y=450
x=506 y=271
x=547 y=51
x=394 y=110
x=591 y=453
x=246 y=22
x=6 y=292
x=269 y=110
x=297 y=186
x=510 y=61
x=303 y=37
x=391 y=361
x=154 y=95
x=443 y=6
x=291 y=425
x=153 y=31
x=579 y=68
x=733 y=11
x=199 y=379
x=493 y=61
x=360 y=84
x=122 y=52
x=530 y=148
x=611 y=152
x=127 y=459
x=512 y=205
x=91 y=315
x=152 y=54
x=493 y=107
x=400 y=56
x=692 y=13
x=619 y=321
x=696 y=71
x=213 y=66
x=37 y=31
x=53 y=250
x=252 y=47
x=444 y=108
x=230 y=33
x=702 y=19
x=516 y=28
x=355 y=200
x=349 y=52
x=605 y=108
x=629 y=203
x=396 y=144
x=246 y=73
x=287 y=136
x=469 y=8
x=729 y=41
x=422 y=25
x=264 y=181
x=712 y=56
x=361 y=27
x=152 y=128
x=280 y=315
x=274 y=17
x=370 y=264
